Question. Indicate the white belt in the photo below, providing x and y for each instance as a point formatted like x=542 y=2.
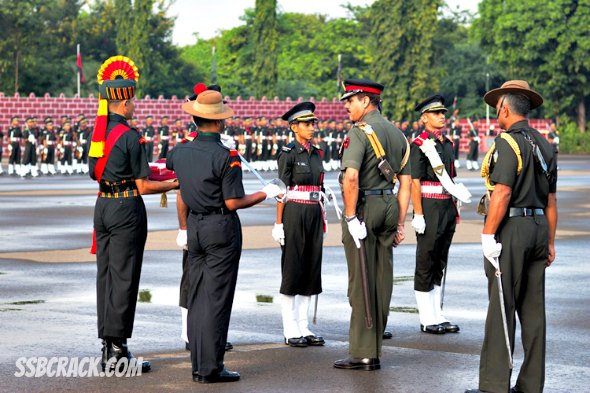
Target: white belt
x=148 y=138
x=247 y=136
x=304 y=195
x=432 y=190
x=164 y=138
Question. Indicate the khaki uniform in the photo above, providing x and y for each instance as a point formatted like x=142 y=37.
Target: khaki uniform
x=380 y=212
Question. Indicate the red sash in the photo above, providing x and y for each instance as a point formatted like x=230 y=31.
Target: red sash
x=101 y=163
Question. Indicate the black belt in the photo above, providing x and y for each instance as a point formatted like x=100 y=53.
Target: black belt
x=221 y=210
x=524 y=212
x=112 y=188
x=388 y=191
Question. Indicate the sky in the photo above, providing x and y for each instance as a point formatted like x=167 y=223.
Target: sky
x=208 y=17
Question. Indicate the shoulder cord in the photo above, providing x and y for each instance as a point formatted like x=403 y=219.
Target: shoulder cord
x=487 y=161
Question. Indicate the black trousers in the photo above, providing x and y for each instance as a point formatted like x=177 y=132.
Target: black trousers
x=50 y=156
x=149 y=149
x=184 y=283
x=121 y=232
x=214 y=250
x=164 y=151
x=30 y=154
x=432 y=249
x=14 y=154
x=301 y=260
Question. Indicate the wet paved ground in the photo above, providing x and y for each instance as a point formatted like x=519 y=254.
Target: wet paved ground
x=48 y=309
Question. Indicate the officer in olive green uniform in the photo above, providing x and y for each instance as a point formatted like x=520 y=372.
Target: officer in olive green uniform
x=518 y=238
x=374 y=158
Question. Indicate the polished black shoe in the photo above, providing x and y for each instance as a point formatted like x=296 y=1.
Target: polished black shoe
x=315 y=341
x=367 y=364
x=228 y=346
x=387 y=335
x=146 y=366
x=515 y=390
x=296 y=342
x=432 y=329
x=223 y=376
x=187 y=347
x=450 y=327
x=475 y=391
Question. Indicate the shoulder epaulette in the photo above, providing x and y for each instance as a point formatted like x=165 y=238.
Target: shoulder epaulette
x=421 y=138
x=487 y=161
x=366 y=128
x=287 y=148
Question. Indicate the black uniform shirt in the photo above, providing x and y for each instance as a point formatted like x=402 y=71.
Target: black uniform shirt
x=531 y=188
x=208 y=172
x=14 y=132
x=128 y=159
x=297 y=166
x=421 y=168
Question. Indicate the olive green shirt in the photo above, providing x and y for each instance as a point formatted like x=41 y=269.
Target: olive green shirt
x=358 y=153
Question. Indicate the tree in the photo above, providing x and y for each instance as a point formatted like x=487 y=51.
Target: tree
x=264 y=35
x=547 y=43
x=401 y=41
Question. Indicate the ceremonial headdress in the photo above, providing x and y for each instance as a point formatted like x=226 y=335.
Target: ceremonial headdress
x=117 y=79
x=433 y=103
x=300 y=112
x=355 y=86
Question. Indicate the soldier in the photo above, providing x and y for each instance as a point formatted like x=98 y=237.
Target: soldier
x=163 y=137
x=120 y=220
x=49 y=144
x=249 y=134
x=29 y=159
x=455 y=133
x=1 y=150
x=149 y=134
x=299 y=227
x=435 y=213
x=518 y=241
x=473 y=152
x=212 y=195
x=178 y=132
x=374 y=158
x=14 y=139
x=67 y=142
x=84 y=135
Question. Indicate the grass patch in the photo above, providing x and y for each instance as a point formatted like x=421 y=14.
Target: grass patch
x=410 y=310
x=264 y=298
x=24 y=302
x=401 y=279
x=10 y=309
x=145 y=296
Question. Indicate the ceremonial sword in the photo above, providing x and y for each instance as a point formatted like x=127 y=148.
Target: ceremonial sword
x=496 y=263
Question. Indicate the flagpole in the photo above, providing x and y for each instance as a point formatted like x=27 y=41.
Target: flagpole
x=339 y=74
x=78 y=73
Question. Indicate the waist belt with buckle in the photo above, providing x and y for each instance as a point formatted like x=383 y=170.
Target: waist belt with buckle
x=387 y=191
x=433 y=190
x=524 y=212
x=220 y=210
x=304 y=194
x=122 y=189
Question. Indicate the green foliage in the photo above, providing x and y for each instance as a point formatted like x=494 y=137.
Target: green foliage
x=264 y=36
x=145 y=296
x=571 y=140
x=543 y=42
x=401 y=38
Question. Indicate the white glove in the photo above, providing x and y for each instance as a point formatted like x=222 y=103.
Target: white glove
x=271 y=190
x=80 y=149
x=31 y=138
x=419 y=224
x=181 y=238
x=357 y=230
x=278 y=234
x=9 y=147
x=45 y=151
x=160 y=146
x=228 y=141
x=491 y=249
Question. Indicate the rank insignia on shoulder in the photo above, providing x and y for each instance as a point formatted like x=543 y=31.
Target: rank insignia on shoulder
x=287 y=148
x=233 y=153
x=365 y=127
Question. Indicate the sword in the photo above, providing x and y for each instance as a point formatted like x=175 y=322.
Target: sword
x=365 y=283
x=315 y=310
x=442 y=290
x=496 y=263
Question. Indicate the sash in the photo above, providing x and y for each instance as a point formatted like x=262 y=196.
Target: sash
x=101 y=163
x=428 y=147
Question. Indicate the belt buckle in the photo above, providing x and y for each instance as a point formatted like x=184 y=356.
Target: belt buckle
x=314 y=196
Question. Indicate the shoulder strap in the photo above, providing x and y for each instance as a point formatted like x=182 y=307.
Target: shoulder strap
x=113 y=137
x=487 y=161
x=377 y=147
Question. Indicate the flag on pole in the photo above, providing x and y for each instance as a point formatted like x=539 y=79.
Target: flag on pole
x=79 y=65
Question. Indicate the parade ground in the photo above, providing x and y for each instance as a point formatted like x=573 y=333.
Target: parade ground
x=48 y=299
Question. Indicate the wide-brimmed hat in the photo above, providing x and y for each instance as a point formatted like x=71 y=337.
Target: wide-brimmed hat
x=513 y=87
x=208 y=105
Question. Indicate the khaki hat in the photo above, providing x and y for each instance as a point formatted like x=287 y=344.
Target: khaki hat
x=208 y=105
x=513 y=87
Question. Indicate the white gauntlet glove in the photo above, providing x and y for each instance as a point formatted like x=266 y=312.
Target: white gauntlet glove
x=491 y=249
x=278 y=234
x=419 y=224
x=181 y=238
x=357 y=230
x=228 y=141
x=9 y=147
x=271 y=190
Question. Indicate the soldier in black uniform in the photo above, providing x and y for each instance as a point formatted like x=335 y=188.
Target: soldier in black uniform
x=84 y=134
x=455 y=134
x=1 y=150
x=67 y=141
x=518 y=239
x=212 y=194
x=49 y=145
x=148 y=134
x=435 y=215
x=120 y=220
x=163 y=137
x=299 y=227
x=29 y=159
x=14 y=138
x=249 y=134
